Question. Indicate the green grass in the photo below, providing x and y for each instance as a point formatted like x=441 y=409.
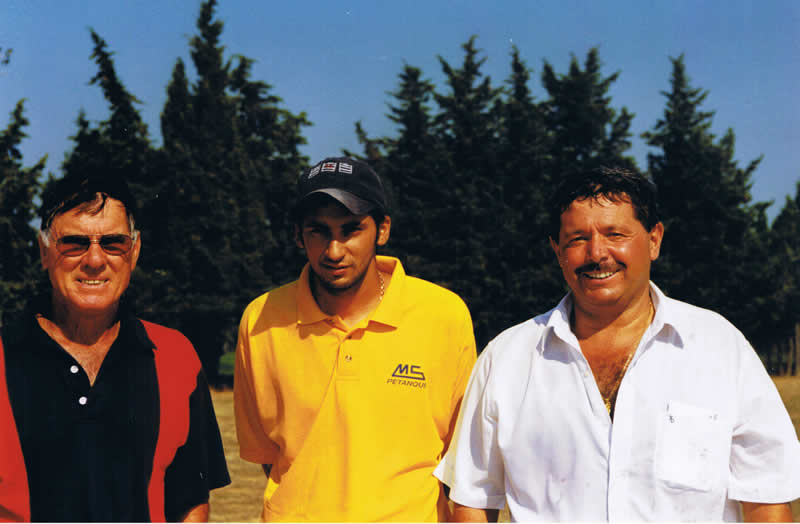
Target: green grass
x=241 y=501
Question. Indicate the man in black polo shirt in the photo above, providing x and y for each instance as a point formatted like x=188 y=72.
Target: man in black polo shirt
x=103 y=417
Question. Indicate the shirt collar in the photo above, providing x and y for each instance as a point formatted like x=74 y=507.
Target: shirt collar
x=558 y=323
x=308 y=311
x=667 y=314
x=133 y=333
x=389 y=311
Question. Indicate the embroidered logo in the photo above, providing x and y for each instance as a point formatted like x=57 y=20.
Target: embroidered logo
x=331 y=167
x=408 y=375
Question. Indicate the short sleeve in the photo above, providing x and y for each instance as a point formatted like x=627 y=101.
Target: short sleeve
x=199 y=465
x=765 y=453
x=467 y=354
x=254 y=444
x=473 y=465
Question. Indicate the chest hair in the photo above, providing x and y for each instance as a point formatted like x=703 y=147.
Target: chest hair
x=608 y=373
x=609 y=355
x=89 y=358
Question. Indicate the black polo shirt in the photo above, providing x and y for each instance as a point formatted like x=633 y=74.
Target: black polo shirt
x=89 y=450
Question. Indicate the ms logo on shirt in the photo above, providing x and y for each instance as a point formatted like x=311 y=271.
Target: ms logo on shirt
x=408 y=375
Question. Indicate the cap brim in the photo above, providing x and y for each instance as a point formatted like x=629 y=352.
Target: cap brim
x=354 y=204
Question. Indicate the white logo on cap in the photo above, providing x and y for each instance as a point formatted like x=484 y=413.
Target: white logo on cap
x=345 y=168
x=329 y=167
x=314 y=172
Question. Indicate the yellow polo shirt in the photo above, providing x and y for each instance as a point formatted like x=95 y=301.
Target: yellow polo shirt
x=353 y=419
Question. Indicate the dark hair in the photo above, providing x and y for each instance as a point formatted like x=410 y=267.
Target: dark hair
x=616 y=184
x=75 y=191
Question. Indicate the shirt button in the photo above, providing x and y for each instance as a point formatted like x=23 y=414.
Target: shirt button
x=586 y=374
x=73 y=369
x=348 y=358
x=82 y=401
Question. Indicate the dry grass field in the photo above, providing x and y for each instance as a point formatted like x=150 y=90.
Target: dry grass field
x=789 y=388
x=241 y=501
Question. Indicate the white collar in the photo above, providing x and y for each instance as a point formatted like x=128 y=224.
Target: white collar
x=668 y=313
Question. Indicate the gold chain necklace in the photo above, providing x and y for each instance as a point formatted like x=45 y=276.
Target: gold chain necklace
x=380 y=279
x=612 y=394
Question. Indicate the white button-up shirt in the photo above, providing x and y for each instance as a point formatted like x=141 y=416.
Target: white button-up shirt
x=698 y=425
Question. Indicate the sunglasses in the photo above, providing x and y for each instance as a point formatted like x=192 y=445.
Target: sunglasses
x=76 y=245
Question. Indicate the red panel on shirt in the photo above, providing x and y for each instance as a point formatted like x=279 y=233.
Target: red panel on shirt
x=14 y=499
x=177 y=367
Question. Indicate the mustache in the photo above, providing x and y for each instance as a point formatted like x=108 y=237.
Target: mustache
x=594 y=266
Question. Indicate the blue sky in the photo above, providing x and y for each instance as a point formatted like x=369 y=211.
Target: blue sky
x=337 y=60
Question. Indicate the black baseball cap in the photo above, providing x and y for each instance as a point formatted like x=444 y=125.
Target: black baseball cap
x=349 y=181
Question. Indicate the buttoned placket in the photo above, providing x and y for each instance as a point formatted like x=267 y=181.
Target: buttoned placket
x=620 y=447
x=620 y=432
x=348 y=359
x=621 y=442
x=79 y=387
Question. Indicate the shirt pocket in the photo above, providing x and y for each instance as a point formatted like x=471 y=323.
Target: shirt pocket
x=690 y=448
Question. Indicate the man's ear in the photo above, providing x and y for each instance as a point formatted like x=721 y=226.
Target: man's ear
x=554 y=246
x=655 y=236
x=298 y=237
x=137 y=246
x=383 y=231
x=42 y=250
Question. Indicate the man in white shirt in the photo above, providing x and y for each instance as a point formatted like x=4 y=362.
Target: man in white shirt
x=620 y=403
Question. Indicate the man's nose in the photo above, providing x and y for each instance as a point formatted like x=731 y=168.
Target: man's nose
x=335 y=250
x=94 y=257
x=597 y=248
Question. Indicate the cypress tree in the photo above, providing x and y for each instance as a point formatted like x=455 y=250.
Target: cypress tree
x=19 y=185
x=711 y=251
x=119 y=145
x=467 y=126
x=587 y=131
x=783 y=265
x=229 y=161
x=410 y=167
x=532 y=281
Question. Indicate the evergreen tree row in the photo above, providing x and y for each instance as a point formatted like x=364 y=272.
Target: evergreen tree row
x=469 y=171
x=470 y=180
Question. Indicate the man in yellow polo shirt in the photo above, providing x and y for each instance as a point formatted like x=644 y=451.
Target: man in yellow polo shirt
x=349 y=380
